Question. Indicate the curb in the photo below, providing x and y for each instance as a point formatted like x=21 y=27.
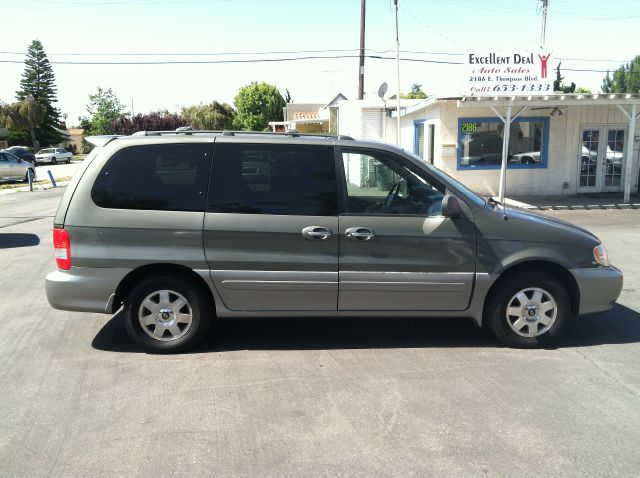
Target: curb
x=25 y=189
x=585 y=207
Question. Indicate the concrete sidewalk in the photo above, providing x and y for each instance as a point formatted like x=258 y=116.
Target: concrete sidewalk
x=575 y=202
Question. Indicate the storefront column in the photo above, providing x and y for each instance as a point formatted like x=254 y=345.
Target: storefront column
x=629 y=159
x=505 y=154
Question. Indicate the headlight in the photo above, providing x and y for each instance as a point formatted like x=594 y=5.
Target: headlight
x=600 y=255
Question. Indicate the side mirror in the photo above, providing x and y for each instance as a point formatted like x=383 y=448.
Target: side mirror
x=450 y=206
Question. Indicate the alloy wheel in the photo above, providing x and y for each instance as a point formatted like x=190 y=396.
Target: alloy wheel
x=165 y=315
x=531 y=312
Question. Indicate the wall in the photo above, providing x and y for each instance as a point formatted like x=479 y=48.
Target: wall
x=563 y=156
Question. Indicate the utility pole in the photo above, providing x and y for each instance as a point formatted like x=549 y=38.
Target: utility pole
x=545 y=6
x=361 y=71
x=398 y=71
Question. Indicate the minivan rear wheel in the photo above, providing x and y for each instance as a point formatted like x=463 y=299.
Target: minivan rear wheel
x=529 y=310
x=166 y=314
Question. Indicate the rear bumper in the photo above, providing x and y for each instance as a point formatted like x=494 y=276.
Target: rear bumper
x=84 y=289
x=599 y=288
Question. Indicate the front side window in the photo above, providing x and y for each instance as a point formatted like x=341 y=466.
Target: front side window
x=169 y=177
x=480 y=143
x=273 y=179
x=380 y=184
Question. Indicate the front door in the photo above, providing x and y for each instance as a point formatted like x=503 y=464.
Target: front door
x=602 y=155
x=271 y=227
x=397 y=252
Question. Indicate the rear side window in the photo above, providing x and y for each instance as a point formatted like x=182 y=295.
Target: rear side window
x=166 y=177
x=273 y=179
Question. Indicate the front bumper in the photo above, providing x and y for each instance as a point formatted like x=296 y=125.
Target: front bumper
x=84 y=289
x=599 y=288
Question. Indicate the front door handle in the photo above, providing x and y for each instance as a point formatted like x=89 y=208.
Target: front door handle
x=359 y=233
x=316 y=233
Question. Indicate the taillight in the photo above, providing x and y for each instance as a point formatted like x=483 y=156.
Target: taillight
x=62 y=248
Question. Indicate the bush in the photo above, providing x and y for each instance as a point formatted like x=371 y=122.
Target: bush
x=86 y=147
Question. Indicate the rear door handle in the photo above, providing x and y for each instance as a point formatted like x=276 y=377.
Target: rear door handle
x=359 y=233
x=316 y=233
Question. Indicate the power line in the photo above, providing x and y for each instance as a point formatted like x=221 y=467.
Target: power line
x=290 y=52
x=258 y=60
x=274 y=60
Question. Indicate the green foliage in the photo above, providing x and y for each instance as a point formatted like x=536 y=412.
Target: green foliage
x=18 y=138
x=24 y=115
x=256 y=105
x=104 y=109
x=559 y=86
x=626 y=79
x=86 y=147
x=38 y=82
x=580 y=89
x=416 y=93
x=214 y=116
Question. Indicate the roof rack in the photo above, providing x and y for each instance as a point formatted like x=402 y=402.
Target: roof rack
x=190 y=131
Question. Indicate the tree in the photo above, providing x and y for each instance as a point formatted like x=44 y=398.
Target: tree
x=25 y=114
x=104 y=108
x=559 y=86
x=256 y=105
x=156 y=121
x=625 y=79
x=214 y=116
x=416 y=93
x=38 y=82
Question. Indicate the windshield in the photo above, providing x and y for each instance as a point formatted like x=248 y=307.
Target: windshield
x=444 y=177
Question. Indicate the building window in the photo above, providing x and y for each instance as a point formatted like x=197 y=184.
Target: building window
x=480 y=143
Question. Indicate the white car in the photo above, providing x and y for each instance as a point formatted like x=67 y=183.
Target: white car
x=531 y=157
x=53 y=155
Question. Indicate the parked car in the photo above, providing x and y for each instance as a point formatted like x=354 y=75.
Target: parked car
x=529 y=157
x=53 y=155
x=176 y=233
x=22 y=153
x=13 y=168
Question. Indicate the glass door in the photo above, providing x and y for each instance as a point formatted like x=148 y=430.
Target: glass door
x=601 y=159
x=589 y=160
x=613 y=160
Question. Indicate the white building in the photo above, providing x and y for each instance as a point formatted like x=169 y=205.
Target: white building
x=559 y=144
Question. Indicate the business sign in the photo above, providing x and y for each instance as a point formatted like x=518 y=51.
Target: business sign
x=516 y=73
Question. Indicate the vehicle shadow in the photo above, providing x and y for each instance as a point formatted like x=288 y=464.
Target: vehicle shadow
x=618 y=326
x=9 y=240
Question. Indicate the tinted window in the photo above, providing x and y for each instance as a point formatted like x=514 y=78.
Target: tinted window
x=161 y=177
x=273 y=179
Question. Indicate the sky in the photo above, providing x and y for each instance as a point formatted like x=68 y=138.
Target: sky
x=582 y=34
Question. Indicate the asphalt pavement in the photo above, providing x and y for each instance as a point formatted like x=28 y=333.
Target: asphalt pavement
x=298 y=397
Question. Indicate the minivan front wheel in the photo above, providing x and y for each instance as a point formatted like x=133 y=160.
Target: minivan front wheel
x=529 y=310
x=167 y=314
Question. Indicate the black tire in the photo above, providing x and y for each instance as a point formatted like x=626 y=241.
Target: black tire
x=199 y=305
x=26 y=176
x=504 y=295
x=35 y=163
x=54 y=160
x=68 y=160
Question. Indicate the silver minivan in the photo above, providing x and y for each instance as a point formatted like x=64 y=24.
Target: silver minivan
x=178 y=228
